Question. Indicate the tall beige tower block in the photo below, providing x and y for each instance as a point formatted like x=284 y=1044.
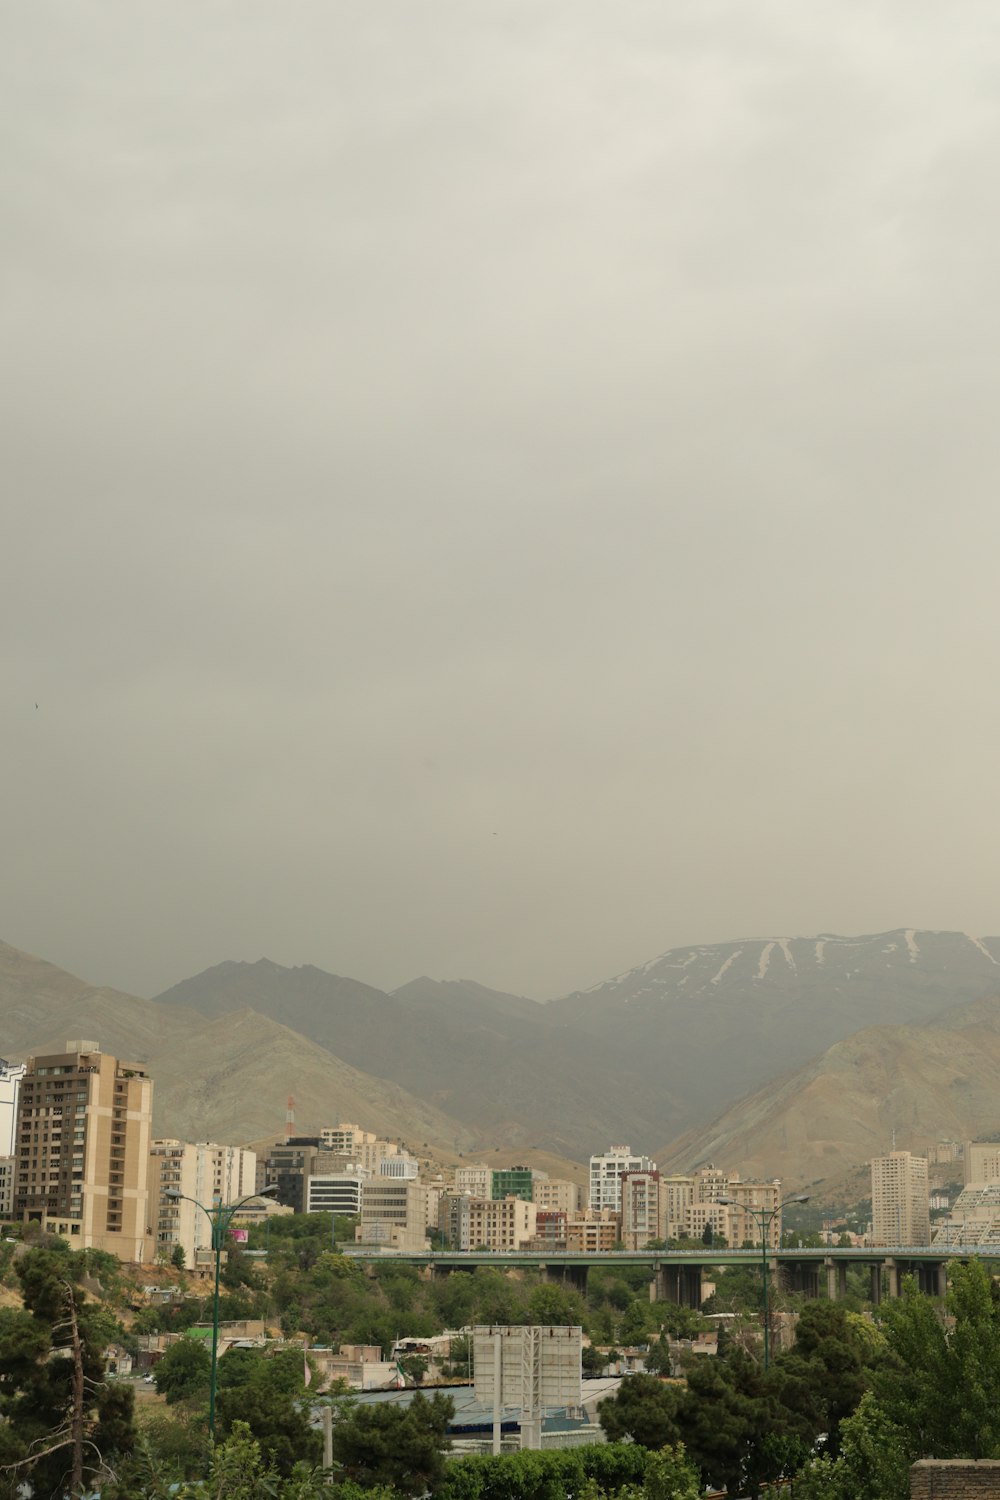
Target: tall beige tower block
x=900 y=1200
x=82 y=1150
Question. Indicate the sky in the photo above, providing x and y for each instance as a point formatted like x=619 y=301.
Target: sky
x=495 y=490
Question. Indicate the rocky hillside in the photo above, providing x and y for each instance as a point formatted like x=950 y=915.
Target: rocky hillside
x=215 y=1078
x=928 y=1082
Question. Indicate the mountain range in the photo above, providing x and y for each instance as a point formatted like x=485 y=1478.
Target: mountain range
x=774 y=1055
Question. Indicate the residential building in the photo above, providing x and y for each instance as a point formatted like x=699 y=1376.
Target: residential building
x=974 y=1218
x=900 y=1212
x=203 y=1172
x=10 y=1080
x=593 y=1233
x=394 y=1212
x=643 y=1210
x=290 y=1163
x=677 y=1193
x=555 y=1193
x=501 y=1223
x=755 y=1207
x=701 y=1216
x=550 y=1229
x=399 y=1166
x=83 y=1135
x=454 y=1220
x=360 y=1146
x=335 y=1192
x=512 y=1182
x=982 y=1161
x=606 y=1176
x=475 y=1178
x=6 y=1187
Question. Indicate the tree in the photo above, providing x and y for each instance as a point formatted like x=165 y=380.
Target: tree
x=60 y=1422
x=183 y=1371
x=394 y=1445
x=177 y=1257
x=643 y=1410
x=267 y=1393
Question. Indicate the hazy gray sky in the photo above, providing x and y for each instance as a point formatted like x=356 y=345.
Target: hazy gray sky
x=495 y=489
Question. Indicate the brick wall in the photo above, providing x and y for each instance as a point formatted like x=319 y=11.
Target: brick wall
x=955 y=1479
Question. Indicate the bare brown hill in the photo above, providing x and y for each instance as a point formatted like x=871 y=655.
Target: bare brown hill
x=226 y=1078
x=928 y=1082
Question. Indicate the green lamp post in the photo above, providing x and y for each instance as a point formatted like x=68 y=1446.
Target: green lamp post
x=764 y=1218
x=219 y=1216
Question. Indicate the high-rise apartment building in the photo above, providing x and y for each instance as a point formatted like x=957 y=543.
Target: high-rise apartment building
x=900 y=1200
x=475 y=1178
x=10 y=1081
x=83 y=1134
x=556 y=1194
x=501 y=1223
x=678 y=1194
x=6 y=1187
x=203 y=1172
x=982 y=1161
x=606 y=1176
x=643 y=1210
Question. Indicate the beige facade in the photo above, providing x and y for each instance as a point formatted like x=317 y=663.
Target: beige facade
x=643 y=1210
x=394 y=1212
x=204 y=1172
x=698 y=1216
x=83 y=1137
x=982 y=1161
x=553 y=1194
x=592 y=1233
x=500 y=1223
x=755 y=1208
x=361 y=1147
x=475 y=1178
x=678 y=1193
x=900 y=1200
x=606 y=1176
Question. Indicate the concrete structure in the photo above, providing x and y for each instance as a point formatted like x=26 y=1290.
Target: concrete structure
x=900 y=1212
x=512 y=1182
x=393 y=1214
x=550 y=1229
x=982 y=1161
x=593 y=1233
x=530 y=1369
x=764 y=1198
x=289 y=1164
x=454 y=1218
x=677 y=1193
x=974 y=1218
x=335 y=1192
x=203 y=1171
x=643 y=1211
x=357 y=1145
x=555 y=1193
x=400 y=1165
x=475 y=1178
x=699 y=1216
x=83 y=1136
x=606 y=1176
x=501 y=1223
x=6 y=1187
x=10 y=1081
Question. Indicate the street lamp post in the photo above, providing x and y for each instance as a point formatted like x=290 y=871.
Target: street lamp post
x=764 y=1218
x=219 y=1216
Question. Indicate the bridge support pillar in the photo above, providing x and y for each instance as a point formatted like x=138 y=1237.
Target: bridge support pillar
x=941 y=1278
x=876 y=1283
x=571 y=1276
x=895 y=1275
x=679 y=1284
x=836 y=1279
x=800 y=1277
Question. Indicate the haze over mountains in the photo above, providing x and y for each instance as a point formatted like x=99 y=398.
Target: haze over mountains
x=658 y=1057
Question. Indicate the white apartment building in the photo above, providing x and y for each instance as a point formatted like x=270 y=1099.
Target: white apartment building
x=202 y=1171
x=399 y=1166
x=336 y=1192
x=10 y=1079
x=900 y=1206
x=475 y=1178
x=974 y=1218
x=606 y=1176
